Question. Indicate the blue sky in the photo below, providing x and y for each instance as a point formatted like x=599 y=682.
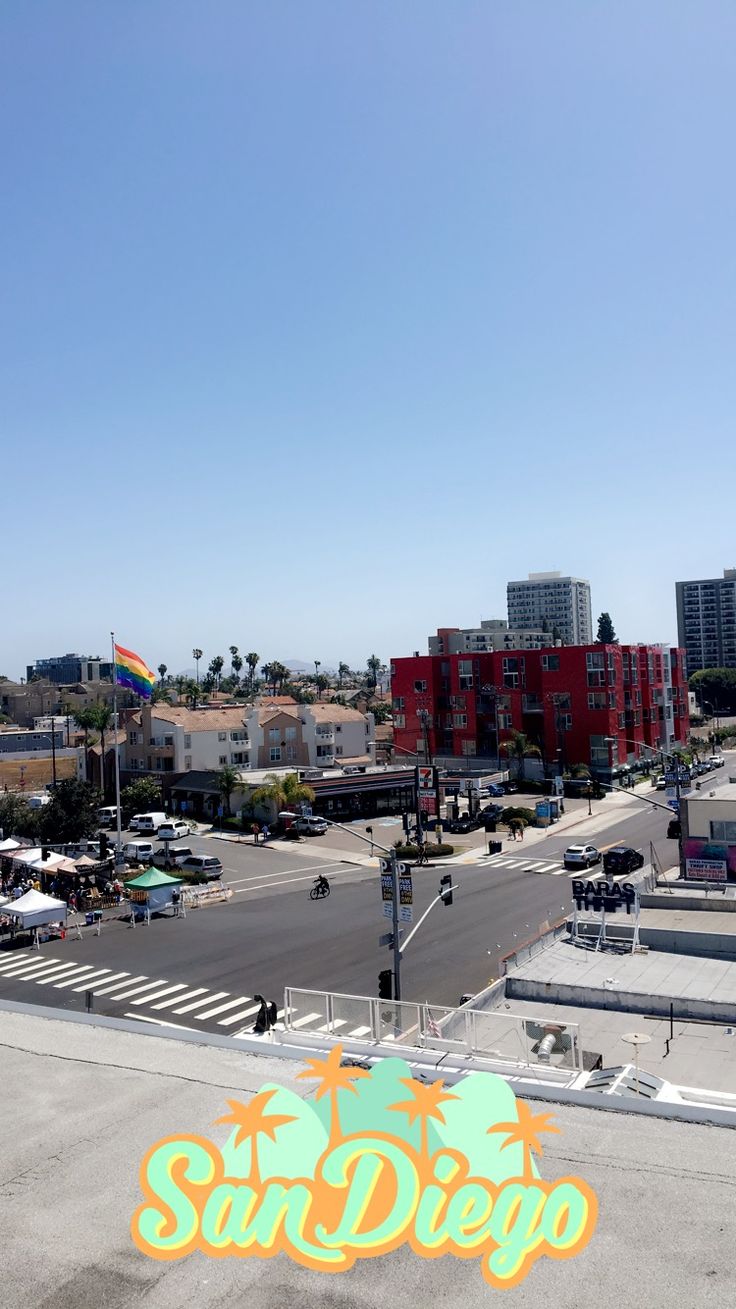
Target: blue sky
x=321 y=321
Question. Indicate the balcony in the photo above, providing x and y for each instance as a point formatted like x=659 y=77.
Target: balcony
x=325 y=735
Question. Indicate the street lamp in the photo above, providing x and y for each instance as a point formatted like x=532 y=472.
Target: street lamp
x=589 y=792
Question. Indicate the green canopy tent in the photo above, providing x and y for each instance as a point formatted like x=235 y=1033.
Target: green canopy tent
x=152 y=891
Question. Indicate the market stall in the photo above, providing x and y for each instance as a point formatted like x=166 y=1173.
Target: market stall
x=152 y=891
x=35 y=910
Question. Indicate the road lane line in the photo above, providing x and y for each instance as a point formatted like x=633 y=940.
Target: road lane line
x=285 y=882
x=220 y=1008
x=335 y=863
x=166 y=1004
x=180 y=986
x=187 y=1008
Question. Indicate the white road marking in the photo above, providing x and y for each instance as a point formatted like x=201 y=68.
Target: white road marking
x=166 y=1004
x=187 y=1008
x=315 y=868
x=308 y=1018
x=108 y=988
x=235 y=1018
x=18 y=960
x=284 y=882
x=136 y=990
x=220 y=1008
x=330 y=1027
x=58 y=972
x=180 y=986
x=89 y=971
x=159 y=1022
x=359 y=1031
x=112 y=977
x=38 y=965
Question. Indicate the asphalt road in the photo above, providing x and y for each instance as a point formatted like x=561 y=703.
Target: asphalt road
x=204 y=971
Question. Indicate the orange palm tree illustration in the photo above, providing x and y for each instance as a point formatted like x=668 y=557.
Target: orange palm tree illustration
x=525 y=1132
x=333 y=1077
x=252 y=1121
x=425 y=1104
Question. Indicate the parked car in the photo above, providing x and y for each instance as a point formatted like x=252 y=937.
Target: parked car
x=151 y=822
x=509 y=788
x=581 y=856
x=492 y=811
x=175 y=854
x=173 y=830
x=210 y=865
x=622 y=859
x=461 y=826
x=310 y=825
x=495 y=789
x=660 y=783
x=717 y=760
x=138 y=852
x=133 y=822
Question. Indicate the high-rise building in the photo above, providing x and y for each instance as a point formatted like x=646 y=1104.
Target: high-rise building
x=706 y=621
x=554 y=602
x=493 y=634
x=68 y=668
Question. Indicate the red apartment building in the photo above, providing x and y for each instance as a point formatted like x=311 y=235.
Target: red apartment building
x=566 y=699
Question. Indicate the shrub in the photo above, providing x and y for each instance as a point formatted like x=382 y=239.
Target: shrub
x=517 y=813
x=433 y=850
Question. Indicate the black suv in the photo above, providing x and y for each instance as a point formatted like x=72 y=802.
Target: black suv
x=622 y=859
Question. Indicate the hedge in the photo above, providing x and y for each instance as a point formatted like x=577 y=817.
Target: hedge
x=433 y=850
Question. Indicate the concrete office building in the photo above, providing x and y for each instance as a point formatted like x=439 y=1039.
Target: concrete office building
x=706 y=621
x=552 y=601
x=68 y=668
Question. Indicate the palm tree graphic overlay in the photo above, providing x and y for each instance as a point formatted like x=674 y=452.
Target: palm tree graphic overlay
x=252 y=1121
x=333 y=1077
x=424 y=1104
x=525 y=1132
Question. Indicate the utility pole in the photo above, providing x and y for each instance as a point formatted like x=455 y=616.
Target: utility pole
x=396 y=944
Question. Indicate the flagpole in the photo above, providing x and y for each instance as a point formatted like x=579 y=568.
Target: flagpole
x=119 y=842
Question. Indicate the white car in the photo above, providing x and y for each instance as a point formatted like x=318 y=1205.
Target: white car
x=581 y=856
x=173 y=831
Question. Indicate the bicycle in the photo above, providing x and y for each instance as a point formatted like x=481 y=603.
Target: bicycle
x=422 y=857
x=320 y=890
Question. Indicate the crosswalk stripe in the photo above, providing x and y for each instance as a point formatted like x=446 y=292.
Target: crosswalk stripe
x=111 y=977
x=136 y=990
x=38 y=965
x=235 y=1018
x=56 y=973
x=330 y=1027
x=113 y=986
x=165 y=1004
x=220 y=1008
x=359 y=1031
x=180 y=986
x=16 y=961
x=88 y=971
x=187 y=1008
x=307 y=1018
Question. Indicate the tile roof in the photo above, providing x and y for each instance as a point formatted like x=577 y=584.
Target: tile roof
x=200 y=720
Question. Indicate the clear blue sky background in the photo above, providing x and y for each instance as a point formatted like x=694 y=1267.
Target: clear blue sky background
x=320 y=321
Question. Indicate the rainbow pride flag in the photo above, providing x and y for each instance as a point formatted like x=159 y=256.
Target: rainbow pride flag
x=131 y=671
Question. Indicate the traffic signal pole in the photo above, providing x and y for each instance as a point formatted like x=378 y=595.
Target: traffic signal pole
x=396 y=943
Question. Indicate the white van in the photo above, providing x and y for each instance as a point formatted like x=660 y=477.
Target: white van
x=151 y=822
x=108 y=816
x=310 y=825
x=138 y=851
x=173 y=830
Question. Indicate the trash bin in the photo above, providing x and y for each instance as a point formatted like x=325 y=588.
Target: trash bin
x=495 y=847
x=89 y=919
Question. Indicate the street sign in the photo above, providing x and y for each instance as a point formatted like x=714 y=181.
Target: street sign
x=387 y=938
x=387 y=886
x=385 y=866
x=406 y=891
x=388 y=909
x=220 y=811
x=406 y=913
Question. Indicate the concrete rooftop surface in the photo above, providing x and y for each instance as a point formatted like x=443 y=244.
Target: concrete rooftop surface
x=82 y=1103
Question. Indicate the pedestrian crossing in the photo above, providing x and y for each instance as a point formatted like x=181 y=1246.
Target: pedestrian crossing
x=553 y=869
x=169 y=1004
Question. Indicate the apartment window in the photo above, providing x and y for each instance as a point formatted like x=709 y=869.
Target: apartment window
x=133 y=738
x=398 y=702
x=223 y=760
x=611 y=699
x=465 y=674
x=468 y=747
x=274 y=735
x=238 y=736
x=460 y=720
x=134 y=765
x=551 y=663
x=338 y=749
x=291 y=734
x=399 y=720
x=187 y=741
x=596 y=699
x=187 y=762
x=596 y=677
x=565 y=721
x=420 y=686
x=168 y=740
x=240 y=757
x=594 y=659
x=274 y=754
x=222 y=736
x=291 y=753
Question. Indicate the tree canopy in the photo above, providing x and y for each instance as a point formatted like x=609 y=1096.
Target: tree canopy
x=606 y=632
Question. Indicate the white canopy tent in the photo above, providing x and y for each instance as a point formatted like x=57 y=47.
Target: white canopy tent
x=34 y=858
x=9 y=844
x=35 y=909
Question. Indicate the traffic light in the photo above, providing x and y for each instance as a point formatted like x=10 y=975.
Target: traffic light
x=446 y=888
x=103 y=845
x=674 y=830
x=385 y=988
x=44 y=853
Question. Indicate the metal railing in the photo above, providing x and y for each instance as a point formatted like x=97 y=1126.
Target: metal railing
x=505 y=1038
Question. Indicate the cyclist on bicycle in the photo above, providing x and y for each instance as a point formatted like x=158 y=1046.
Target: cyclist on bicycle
x=322 y=884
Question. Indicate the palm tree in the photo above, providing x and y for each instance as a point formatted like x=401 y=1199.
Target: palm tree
x=86 y=719
x=333 y=1077
x=525 y=1132
x=228 y=779
x=317 y=666
x=162 y=672
x=282 y=793
x=424 y=1105
x=521 y=748
x=342 y=671
x=102 y=721
x=374 y=666
x=252 y=1122
x=216 y=666
x=196 y=656
x=252 y=661
x=322 y=684
x=191 y=692
x=236 y=663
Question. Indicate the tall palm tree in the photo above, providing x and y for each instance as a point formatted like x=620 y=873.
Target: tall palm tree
x=282 y=793
x=162 y=670
x=342 y=671
x=86 y=719
x=252 y=1121
x=521 y=748
x=525 y=1132
x=196 y=656
x=322 y=684
x=228 y=780
x=216 y=666
x=374 y=667
x=102 y=721
x=333 y=1077
x=236 y=663
x=425 y=1104
x=251 y=660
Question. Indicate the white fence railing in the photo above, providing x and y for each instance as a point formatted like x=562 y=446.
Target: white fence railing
x=504 y=1037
